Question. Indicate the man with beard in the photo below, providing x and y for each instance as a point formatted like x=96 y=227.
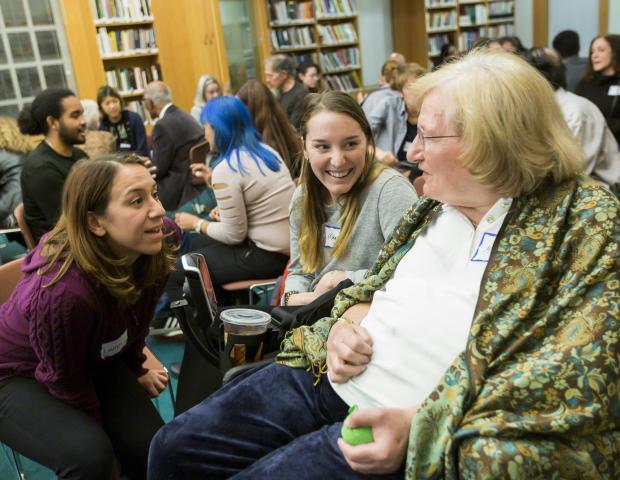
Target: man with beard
x=58 y=114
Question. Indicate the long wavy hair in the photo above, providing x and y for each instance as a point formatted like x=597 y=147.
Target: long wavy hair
x=234 y=131
x=11 y=138
x=272 y=123
x=87 y=190
x=313 y=200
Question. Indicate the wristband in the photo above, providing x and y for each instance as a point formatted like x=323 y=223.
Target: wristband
x=197 y=228
x=287 y=296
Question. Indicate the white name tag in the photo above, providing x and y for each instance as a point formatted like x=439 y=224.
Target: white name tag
x=331 y=235
x=614 y=90
x=483 y=250
x=125 y=145
x=406 y=146
x=112 y=348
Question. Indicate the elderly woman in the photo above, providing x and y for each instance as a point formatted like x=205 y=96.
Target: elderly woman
x=490 y=345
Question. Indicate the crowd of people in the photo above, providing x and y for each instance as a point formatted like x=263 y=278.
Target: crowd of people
x=479 y=338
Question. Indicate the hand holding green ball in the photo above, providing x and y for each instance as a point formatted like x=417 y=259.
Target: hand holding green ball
x=358 y=435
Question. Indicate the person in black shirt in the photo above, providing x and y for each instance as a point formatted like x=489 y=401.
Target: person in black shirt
x=58 y=114
x=127 y=127
x=280 y=75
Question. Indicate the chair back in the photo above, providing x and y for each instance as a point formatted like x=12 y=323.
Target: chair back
x=23 y=226
x=10 y=273
x=198 y=154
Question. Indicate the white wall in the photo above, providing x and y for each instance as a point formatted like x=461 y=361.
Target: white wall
x=524 y=11
x=375 y=23
x=614 y=16
x=574 y=15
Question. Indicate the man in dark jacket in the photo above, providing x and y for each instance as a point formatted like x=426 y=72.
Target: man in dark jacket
x=173 y=135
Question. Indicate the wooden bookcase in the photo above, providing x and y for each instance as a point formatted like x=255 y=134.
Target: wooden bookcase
x=326 y=31
x=420 y=27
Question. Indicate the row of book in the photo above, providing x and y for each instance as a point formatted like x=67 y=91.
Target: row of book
x=501 y=9
x=440 y=3
x=467 y=39
x=294 y=37
x=121 y=10
x=435 y=42
x=472 y=15
x=496 y=31
x=281 y=11
x=438 y=20
x=330 y=8
x=133 y=40
x=132 y=80
x=345 y=82
x=138 y=107
x=341 y=32
x=339 y=59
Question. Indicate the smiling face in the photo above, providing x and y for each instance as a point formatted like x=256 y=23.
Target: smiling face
x=111 y=106
x=336 y=147
x=133 y=220
x=601 y=57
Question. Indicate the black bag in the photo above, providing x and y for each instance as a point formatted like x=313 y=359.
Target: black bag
x=296 y=316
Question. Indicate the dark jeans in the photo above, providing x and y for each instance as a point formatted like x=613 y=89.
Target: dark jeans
x=72 y=443
x=228 y=263
x=272 y=423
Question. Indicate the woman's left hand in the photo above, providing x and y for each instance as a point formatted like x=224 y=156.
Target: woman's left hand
x=154 y=382
x=150 y=167
x=390 y=431
x=186 y=221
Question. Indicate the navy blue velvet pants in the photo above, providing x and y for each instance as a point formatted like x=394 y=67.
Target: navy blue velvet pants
x=271 y=424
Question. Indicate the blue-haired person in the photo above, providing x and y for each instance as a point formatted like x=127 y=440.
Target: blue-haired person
x=249 y=236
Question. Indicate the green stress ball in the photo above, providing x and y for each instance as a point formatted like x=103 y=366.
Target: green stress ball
x=358 y=435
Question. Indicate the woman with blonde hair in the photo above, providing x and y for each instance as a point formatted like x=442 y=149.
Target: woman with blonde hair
x=346 y=204
x=208 y=87
x=71 y=362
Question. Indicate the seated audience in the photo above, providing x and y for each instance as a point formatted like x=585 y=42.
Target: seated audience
x=602 y=159
x=208 y=87
x=280 y=74
x=57 y=114
x=126 y=126
x=388 y=73
x=74 y=395
x=309 y=74
x=13 y=146
x=601 y=81
x=393 y=126
x=566 y=43
x=98 y=142
x=253 y=189
x=346 y=204
x=174 y=134
x=271 y=122
x=483 y=343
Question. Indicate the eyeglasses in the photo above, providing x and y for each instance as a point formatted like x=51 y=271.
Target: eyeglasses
x=423 y=138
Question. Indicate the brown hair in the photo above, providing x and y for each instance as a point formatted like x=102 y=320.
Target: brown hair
x=614 y=42
x=406 y=73
x=87 y=189
x=272 y=123
x=313 y=199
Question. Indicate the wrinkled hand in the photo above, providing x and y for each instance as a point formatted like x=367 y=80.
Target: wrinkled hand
x=329 y=281
x=390 y=430
x=150 y=167
x=349 y=349
x=215 y=214
x=200 y=170
x=186 y=221
x=154 y=382
x=303 y=298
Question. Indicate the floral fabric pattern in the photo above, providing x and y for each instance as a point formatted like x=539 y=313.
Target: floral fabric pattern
x=536 y=391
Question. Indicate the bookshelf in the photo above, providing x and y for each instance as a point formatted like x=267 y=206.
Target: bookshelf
x=324 y=31
x=421 y=27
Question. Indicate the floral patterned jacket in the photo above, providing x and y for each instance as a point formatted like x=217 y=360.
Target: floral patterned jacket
x=536 y=391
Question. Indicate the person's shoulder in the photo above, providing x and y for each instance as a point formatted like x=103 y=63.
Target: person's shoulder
x=78 y=153
x=389 y=175
x=38 y=157
x=133 y=116
x=594 y=196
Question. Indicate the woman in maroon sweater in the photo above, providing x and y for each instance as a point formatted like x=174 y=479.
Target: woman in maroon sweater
x=73 y=393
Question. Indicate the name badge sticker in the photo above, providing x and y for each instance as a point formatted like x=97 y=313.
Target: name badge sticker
x=109 y=349
x=331 y=235
x=483 y=250
x=126 y=146
x=406 y=146
x=614 y=90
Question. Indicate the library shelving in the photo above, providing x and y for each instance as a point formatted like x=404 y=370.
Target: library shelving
x=325 y=31
x=421 y=27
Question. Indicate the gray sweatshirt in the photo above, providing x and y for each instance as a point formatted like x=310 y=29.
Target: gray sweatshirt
x=383 y=204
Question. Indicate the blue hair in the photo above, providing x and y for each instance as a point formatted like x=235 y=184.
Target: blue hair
x=234 y=131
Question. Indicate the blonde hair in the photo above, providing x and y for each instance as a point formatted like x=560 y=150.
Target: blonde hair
x=11 y=138
x=312 y=202
x=87 y=189
x=513 y=131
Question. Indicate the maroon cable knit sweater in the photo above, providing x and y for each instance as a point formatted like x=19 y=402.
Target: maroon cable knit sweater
x=59 y=334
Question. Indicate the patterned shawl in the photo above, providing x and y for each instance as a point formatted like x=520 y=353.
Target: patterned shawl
x=536 y=392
